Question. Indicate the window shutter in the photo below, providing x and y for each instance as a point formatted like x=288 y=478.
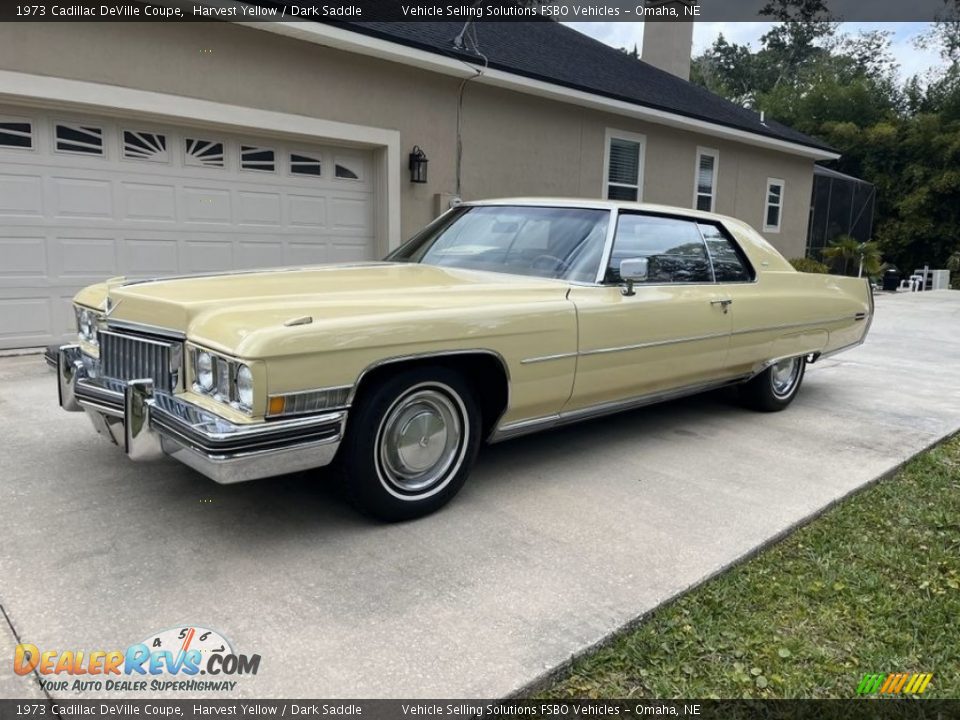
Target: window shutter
x=705 y=175
x=624 y=162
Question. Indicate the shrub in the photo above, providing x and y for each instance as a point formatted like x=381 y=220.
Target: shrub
x=809 y=265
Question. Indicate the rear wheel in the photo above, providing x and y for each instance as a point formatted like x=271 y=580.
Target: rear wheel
x=774 y=388
x=410 y=444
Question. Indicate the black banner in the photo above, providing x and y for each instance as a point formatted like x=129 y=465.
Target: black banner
x=861 y=709
x=459 y=10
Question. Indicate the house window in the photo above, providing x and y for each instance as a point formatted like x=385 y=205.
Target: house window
x=16 y=134
x=623 y=166
x=83 y=139
x=304 y=164
x=257 y=158
x=203 y=153
x=774 y=205
x=144 y=146
x=705 y=187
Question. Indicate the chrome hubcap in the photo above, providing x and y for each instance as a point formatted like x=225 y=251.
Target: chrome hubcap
x=784 y=376
x=420 y=440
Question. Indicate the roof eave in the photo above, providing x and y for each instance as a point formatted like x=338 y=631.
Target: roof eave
x=347 y=40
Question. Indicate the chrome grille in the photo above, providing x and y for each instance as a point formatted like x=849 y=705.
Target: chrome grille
x=130 y=357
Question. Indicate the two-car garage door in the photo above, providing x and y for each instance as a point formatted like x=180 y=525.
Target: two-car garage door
x=84 y=198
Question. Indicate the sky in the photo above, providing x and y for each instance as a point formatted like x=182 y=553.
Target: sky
x=912 y=61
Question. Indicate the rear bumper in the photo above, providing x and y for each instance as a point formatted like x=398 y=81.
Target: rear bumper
x=148 y=425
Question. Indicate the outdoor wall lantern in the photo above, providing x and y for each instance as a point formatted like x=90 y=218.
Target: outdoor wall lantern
x=418 y=165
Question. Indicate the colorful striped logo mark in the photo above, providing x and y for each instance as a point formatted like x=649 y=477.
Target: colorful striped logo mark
x=894 y=683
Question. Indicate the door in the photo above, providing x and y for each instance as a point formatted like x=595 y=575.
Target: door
x=672 y=332
x=85 y=198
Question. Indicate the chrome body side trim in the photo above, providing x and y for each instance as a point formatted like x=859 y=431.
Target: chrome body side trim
x=655 y=343
x=524 y=427
x=790 y=326
x=850 y=346
x=148 y=424
x=548 y=358
x=677 y=341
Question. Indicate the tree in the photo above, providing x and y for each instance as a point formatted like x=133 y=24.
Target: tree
x=901 y=136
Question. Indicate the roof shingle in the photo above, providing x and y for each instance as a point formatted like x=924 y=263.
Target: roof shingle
x=560 y=55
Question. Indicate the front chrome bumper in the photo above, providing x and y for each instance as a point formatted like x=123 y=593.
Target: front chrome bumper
x=148 y=425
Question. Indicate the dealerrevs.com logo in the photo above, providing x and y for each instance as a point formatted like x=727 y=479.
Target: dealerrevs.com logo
x=170 y=660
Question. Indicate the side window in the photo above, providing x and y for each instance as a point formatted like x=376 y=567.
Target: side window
x=729 y=264
x=673 y=248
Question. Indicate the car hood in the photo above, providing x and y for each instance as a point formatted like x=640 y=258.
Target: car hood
x=226 y=312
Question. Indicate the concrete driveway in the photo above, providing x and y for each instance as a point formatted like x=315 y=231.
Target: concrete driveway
x=557 y=540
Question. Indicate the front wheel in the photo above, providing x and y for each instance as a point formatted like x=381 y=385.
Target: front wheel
x=410 y=444
x=776 y=387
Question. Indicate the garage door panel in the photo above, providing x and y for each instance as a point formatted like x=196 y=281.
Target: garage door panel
x=250 y=255
x=258 y=208
x=24 y=259
x=21 y=195
x=307 y=253
x=68 y=220
x=142 y=201
x=350 y=253
x=26 y=319
x=206 y=255
x=88 y=259
x=145 y=257
x=306 y=211
x=79 y=198
x=206 y=205
x=347 y=212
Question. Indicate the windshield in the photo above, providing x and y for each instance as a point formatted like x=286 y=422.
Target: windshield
x=547 y=242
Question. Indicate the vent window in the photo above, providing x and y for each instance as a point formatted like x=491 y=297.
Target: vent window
x=305 y=165
x=344 y=172
x=84 y=139
x=257 y=158
x=203 y=153
x=144 y=146
x=16 y=134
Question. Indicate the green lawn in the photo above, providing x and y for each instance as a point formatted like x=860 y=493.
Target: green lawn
x=871 y=586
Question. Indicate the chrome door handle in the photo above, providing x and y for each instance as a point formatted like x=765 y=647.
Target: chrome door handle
x=725 y=304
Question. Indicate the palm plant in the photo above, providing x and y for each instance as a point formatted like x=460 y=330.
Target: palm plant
x=844 y=250
x=871 y=259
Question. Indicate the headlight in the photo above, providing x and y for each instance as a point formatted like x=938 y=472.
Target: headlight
x=204 y=371
x=87 y=325
x=223 y=379
x=245 y=386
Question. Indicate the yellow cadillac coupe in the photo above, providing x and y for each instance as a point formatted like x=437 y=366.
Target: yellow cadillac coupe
x=500 y=318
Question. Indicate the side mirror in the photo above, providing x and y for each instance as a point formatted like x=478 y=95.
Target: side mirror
x=633 y=270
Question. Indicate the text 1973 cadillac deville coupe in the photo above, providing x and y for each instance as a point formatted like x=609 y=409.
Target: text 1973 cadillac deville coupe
x=500 y=318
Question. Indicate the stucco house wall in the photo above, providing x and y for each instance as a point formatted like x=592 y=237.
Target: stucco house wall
x=513 y=143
